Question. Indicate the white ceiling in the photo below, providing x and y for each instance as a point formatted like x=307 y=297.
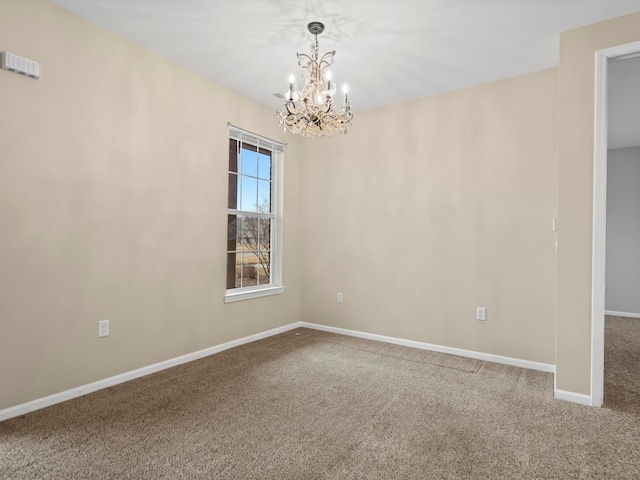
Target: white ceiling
x=387 y=51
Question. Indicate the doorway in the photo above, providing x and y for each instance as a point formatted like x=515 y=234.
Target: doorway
x=604 y=58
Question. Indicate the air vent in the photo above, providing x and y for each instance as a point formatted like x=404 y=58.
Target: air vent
x=23 y=66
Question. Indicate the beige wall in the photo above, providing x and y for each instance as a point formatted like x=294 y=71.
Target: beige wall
x=430 y=208
x=113 y=206
x=575 y=192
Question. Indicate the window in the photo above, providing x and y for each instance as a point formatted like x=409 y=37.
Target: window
x=252 y=217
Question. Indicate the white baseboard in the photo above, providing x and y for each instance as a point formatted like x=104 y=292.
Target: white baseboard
x=49 y=400
x=622 y=314
x=573 y=397
x=488 y=357
x=156 y=367
x=516 y=362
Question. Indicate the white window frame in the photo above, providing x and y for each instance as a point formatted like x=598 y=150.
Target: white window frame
x=275 y=286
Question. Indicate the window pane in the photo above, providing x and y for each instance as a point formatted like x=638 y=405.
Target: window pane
x=264 y=234
x=250 y=233
x=233 y=155
x=249 y=188
x=249 y=163
x=264 y=166
x=239 y=232
x=254 y=254
x=264 y=268
x=232 y=226
x=249 y=270
x=232 y=281
x=264 y=196
x=239 y=271
x=233 y=191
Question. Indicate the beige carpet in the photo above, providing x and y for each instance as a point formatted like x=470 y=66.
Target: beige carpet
x=622 y=364
x=314 y=405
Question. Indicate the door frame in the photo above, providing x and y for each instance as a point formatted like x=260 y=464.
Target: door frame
x=599 y=251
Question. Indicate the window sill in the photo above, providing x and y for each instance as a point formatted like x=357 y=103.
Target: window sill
x=246 y=295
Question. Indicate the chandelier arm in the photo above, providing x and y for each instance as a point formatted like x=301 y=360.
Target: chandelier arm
x=302 y=56
x=307 y=67
x=327 y=58
x=323 y=66
x=289 y=111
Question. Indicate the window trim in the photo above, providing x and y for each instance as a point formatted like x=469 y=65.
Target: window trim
x=275 y=286
x=253 y=293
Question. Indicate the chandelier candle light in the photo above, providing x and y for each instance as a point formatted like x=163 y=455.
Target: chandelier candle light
x=312 y=112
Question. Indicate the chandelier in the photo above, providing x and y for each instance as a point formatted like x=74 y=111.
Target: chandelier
x=312 y=112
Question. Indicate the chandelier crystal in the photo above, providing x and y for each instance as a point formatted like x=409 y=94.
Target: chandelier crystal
x=312 y=112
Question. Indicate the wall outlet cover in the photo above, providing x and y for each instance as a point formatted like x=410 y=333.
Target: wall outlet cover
x=103 y=328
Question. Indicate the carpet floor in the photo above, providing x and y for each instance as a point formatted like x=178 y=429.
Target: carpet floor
x=314 y=405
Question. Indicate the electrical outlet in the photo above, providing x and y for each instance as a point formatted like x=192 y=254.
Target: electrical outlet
x=103 y=328
x=339 y=297
x=481 y=313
